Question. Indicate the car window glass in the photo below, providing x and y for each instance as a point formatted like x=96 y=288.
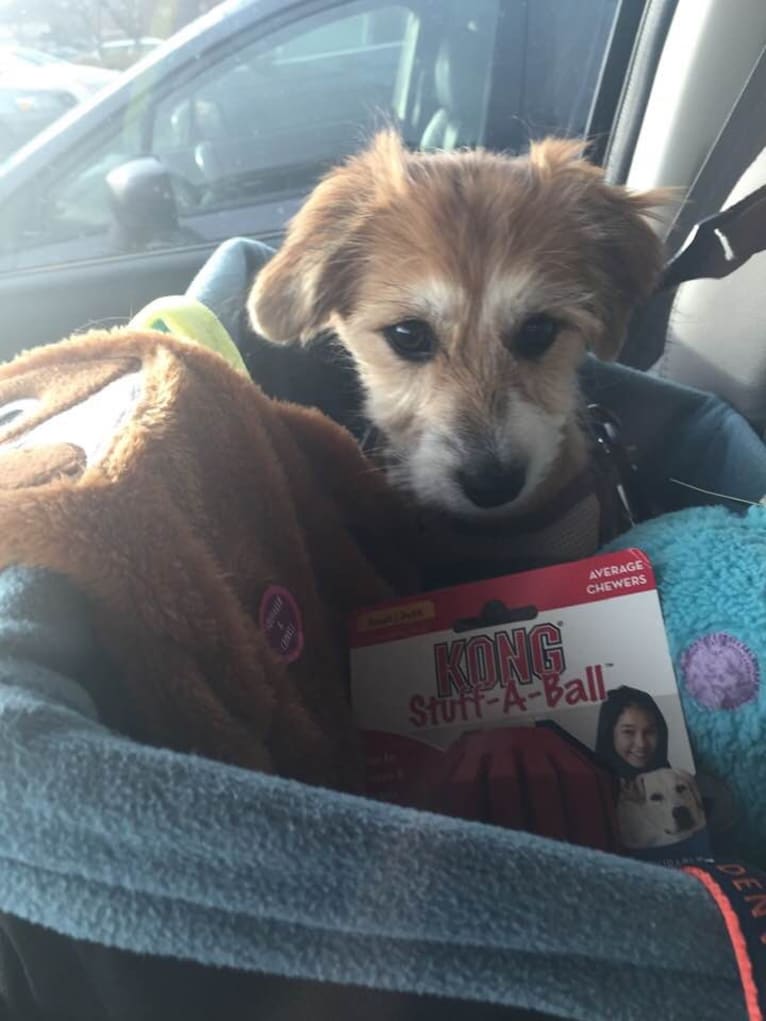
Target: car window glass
x=272 y=120
x=74 y=207
x=267 y=117
x=570 y=36
x=247 y=135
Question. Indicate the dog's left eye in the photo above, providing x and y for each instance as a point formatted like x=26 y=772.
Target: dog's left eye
x=412 y=339
x=535 y=336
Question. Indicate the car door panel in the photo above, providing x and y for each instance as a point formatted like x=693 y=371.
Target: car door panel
x=44 y=305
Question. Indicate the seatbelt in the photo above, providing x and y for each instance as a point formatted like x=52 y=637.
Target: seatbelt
x=720 y=243
x=738 y=143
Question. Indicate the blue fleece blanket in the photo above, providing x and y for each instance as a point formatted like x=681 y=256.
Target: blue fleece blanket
x=156 y=852
x=711 y=571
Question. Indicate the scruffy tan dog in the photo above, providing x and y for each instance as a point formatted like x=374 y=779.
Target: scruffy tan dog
x=467 y=287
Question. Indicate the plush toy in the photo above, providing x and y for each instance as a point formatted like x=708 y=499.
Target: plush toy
x=711 y=571
x=217 y=535
x=189 y=319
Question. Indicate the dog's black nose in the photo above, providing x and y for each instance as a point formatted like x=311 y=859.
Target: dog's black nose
x=487 y=483
x=683 y=818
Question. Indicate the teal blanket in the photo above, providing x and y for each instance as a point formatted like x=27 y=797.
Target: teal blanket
x=151 y=851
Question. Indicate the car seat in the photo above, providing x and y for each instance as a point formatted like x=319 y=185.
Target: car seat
x=459 y=84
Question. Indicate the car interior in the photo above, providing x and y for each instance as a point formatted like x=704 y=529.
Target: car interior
x=706 y=66
x=670 y=94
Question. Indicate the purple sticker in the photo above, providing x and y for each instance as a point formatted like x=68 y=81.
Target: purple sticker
x=281 y=623
x=720 y=671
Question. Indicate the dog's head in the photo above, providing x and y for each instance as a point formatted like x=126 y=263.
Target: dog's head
x=467 y=287
x=661 y=807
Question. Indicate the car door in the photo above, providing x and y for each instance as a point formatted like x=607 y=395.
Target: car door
x=245 y=127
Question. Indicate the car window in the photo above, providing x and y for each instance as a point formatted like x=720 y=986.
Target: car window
x=268 y=121
x=73 y=207
x=263 y=119
x=568 y=38
x=246 y=133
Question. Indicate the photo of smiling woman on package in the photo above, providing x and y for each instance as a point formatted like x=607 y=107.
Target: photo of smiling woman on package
x=659 y=809
x=632 y=735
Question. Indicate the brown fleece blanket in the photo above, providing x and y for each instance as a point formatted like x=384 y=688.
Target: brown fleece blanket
x=222 y=539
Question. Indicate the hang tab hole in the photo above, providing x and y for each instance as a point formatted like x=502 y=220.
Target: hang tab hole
x=15 y=409
x=493 y=614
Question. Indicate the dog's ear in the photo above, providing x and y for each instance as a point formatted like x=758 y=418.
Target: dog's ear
x=633 y=790
x=313 y=273
x=624 y=253
x=629 y=258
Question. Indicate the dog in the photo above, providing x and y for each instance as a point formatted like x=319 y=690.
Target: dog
x=659 y=808
x=467 y=287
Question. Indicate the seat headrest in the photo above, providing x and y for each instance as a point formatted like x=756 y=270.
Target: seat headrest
x=460 y=75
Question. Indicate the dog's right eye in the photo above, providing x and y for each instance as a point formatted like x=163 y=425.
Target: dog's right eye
x=535 y=335
x=412 y=339
x=656 y=797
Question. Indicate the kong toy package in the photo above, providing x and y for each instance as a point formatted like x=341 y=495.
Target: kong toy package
x=543 y=701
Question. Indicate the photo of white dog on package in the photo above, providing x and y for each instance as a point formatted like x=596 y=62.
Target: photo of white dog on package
x=659 y=807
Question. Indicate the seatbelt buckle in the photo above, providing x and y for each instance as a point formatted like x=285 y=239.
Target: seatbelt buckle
x=611 y=452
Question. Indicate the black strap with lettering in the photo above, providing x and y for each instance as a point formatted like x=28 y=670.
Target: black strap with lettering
x=740 y=893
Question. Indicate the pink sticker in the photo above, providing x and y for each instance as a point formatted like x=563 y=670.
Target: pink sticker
x=281 y=623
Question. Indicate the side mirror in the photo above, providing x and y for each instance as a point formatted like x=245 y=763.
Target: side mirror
x=143 y=204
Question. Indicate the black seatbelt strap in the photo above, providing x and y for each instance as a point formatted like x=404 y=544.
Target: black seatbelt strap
x=721 y=242
x=738 y=143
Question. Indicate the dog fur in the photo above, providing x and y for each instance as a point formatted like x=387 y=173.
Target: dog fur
x=473 y=244
x=659 y=808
